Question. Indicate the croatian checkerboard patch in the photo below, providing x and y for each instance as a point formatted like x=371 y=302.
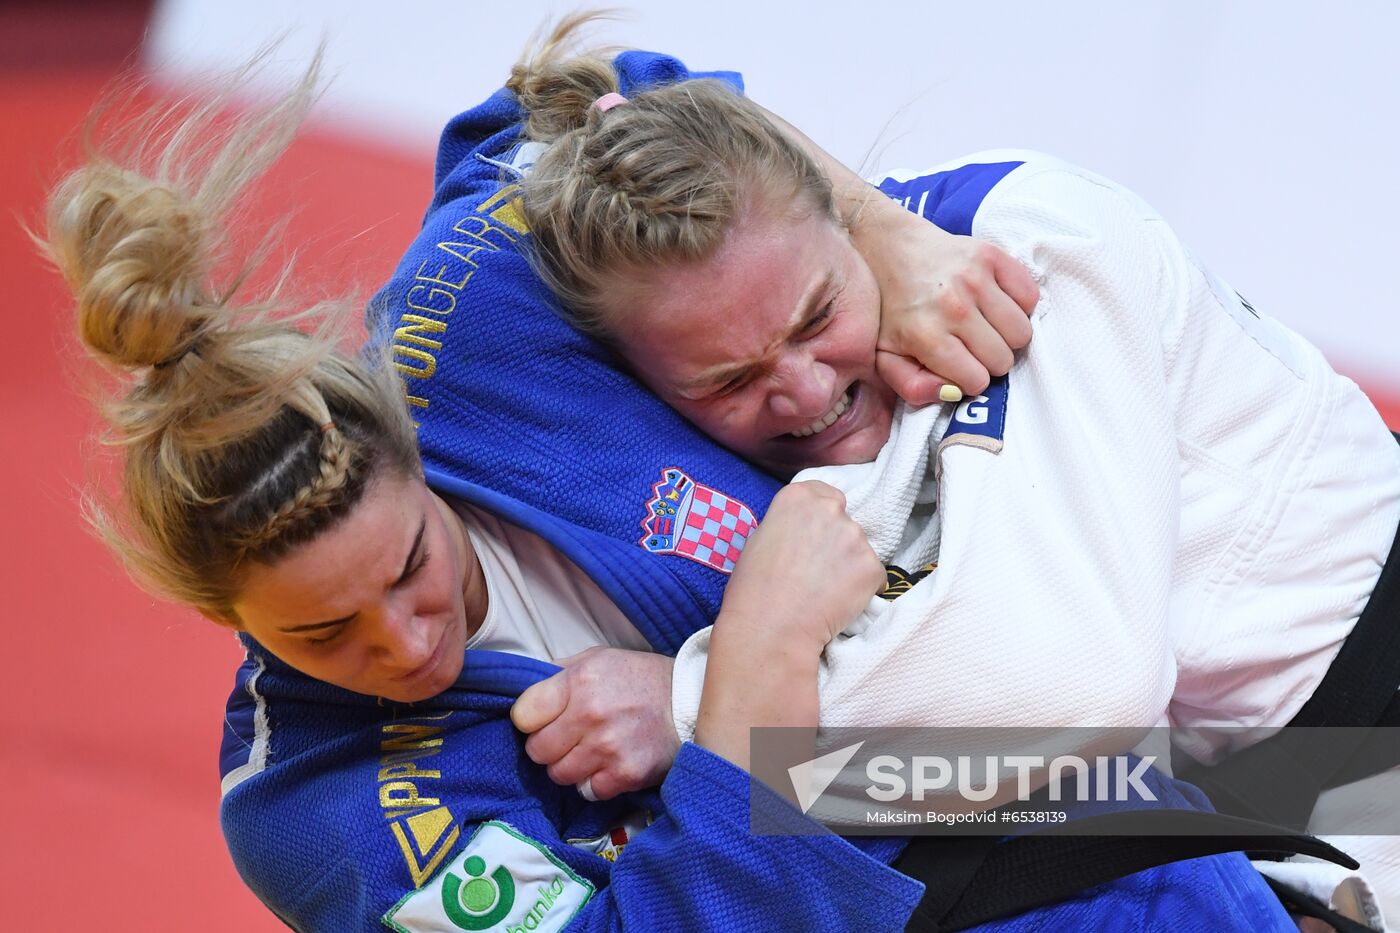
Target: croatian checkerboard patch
x=502 y=881
x=695 y=521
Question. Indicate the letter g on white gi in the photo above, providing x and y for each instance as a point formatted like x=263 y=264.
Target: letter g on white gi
x=972 y=411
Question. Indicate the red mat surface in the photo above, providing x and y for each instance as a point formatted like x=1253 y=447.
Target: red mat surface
x=112 y=713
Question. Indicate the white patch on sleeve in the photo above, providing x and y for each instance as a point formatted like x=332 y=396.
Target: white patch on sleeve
x=518 y=161
x=500 y=881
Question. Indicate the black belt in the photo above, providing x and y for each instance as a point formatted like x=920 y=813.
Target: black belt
x=975 y=879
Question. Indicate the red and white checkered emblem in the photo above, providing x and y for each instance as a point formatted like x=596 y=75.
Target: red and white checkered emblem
x=696 y=521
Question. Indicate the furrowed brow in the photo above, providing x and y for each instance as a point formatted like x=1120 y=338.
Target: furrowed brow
x=807 y=310
x=812 y=304
x=718 y=376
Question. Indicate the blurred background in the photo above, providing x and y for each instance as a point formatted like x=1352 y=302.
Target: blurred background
x=1263 y=131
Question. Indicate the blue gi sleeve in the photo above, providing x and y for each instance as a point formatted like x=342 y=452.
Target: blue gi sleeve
x=700 y=868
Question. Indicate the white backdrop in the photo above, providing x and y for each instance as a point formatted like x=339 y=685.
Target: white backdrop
x=1263 y=130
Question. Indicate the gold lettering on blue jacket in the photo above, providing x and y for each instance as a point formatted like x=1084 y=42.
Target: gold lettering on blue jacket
x=412 y=331
x=421 y=824
x=441 y=279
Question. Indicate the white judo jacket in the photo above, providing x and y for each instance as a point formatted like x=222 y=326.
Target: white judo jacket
x=1172 y=511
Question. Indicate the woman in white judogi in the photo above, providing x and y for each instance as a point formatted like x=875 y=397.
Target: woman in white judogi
x=1173 y=511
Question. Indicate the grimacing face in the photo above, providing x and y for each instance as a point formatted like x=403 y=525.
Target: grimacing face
x=768 y=345
x=381 y=603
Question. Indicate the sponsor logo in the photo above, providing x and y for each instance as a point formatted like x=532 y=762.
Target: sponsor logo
x=501 y=881
x=480 y=903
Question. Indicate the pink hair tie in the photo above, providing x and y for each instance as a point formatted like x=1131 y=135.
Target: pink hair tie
x=609 y=101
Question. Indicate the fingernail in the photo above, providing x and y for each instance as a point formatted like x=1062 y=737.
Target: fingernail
x=950 y=394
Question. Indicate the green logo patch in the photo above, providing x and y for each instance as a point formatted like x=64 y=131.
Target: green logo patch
x=500 y=881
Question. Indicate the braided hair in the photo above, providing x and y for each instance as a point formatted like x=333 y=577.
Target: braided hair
x=244 y=431
x=656 y=181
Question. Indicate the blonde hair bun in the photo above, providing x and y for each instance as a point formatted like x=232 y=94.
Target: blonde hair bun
x=265 y=434
x=133 y=251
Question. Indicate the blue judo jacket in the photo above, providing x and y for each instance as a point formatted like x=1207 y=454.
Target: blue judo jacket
x=345 y=806
x=343 y=814
x=346 y=813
